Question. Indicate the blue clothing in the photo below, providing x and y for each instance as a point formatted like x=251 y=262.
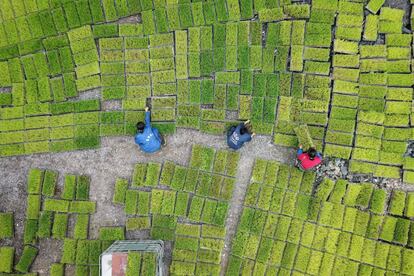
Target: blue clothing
x=300 y=151
x=150 y=139
x=235 y=139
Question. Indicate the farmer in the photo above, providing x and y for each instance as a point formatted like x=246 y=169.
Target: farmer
x=309 y=159
x=148 y=138
x=240 y=134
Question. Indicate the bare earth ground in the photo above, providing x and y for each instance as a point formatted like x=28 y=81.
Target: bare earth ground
x=116 y=158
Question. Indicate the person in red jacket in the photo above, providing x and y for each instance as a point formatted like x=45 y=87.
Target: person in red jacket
x=309 y=159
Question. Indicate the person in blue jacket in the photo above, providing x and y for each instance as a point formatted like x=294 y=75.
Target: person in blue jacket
x=148 y=138
x=240 y=134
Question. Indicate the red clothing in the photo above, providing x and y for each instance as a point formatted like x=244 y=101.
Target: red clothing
x=307 y=164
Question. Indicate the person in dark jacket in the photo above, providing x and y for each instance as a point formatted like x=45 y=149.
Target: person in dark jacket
x=309 y=159
x=148 y=138
x=240 y=134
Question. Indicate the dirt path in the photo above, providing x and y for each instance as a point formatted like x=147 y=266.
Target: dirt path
x=116 y=158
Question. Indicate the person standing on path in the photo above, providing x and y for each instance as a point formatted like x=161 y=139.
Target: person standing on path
x=309 y=159
x=240 y=134
x=148 y=138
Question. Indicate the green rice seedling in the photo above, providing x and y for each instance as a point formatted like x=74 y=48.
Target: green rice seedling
x=378 y=201
x=374 y=226
x=181 y=204
x=397 y=203
x=82 y=252
x=409 y=208
x=347 y=47
x=111 y=233
x=138 y=177
x=57 y=269
x=202 y=157
x=95 y=251
x=82 y=207
x=320 y=237
x=361 y=223
x=381 y=254
x=82 y=187
x=364 y=196
x=30 y=230
x=375 y=5
x=394 y=257
x=289 y=202
x=49 y=183
x=56 y=205
x=81 y=227
x=327 y=264
x=82 y=270
x=401 y=231
x=134 y=263
x=388 y=228
x=45 y=224
x=34 y=181
x=6 y=225
x=179 y=177
x=324 y=189
x=407 y=259
x=343 y=244
x=191 y=230
x=371 y=27
x=152 y=175
x=349 y=219
x=60 y=225
x=69 y=187
x=169 y=222
x=356 y=246
x=196 y=207
x=221 y=213
x=289 y=255
x=331 y=241
x=7 y=257
x=303 y=257
x=27 y=258
x=143 y=206
x=168 y=203
x=69 y=251
x=121 y=187
x=139 y=223
x=338 y=191
x=232 y=163
x=33 y=206
x=167 y=173
x=156 y=201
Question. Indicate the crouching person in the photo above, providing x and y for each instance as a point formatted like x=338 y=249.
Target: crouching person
x=148 y=138
x=240 y=134
x=309 y=159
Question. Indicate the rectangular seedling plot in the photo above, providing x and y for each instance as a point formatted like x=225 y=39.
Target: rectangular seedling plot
x=82 y=187
x=120 y=189
x=60 y=224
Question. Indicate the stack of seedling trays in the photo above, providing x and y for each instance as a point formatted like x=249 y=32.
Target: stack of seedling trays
x=186 y=205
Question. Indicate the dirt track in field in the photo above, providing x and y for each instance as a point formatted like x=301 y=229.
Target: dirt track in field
x=116 y=158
